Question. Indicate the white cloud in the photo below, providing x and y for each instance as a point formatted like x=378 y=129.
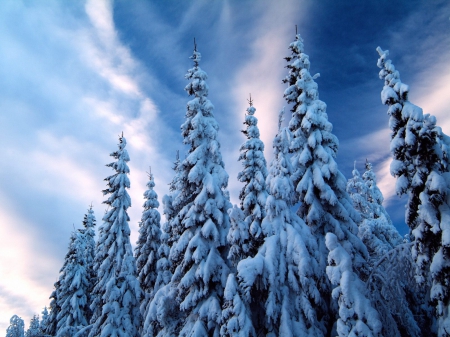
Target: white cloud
x=95 y=81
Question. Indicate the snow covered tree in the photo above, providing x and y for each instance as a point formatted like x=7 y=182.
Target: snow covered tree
x=375 y=228
x=33 y=329
x=117 y=290
x=162 y=312
x=72 y=294
x=16 y=327
x=320 y=187
x=148 y=243
x=280 y=281
x=357 y=317
x=236 y=317
x=52 y=320
x=245 y=234
x=420 y=163
x=89 y=237
x=253 y=195
x=44 y=320
x=199 y=252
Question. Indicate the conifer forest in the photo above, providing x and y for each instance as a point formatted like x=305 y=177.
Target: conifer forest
x=305 y=252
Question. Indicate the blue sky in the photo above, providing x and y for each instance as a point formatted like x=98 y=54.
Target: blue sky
x=74 y=75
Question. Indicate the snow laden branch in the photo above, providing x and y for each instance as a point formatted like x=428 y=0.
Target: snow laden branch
x=421 y=165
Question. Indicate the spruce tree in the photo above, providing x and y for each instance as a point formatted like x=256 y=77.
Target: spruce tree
x=375 y=228
x=148 y=243
x=357 y=316
x=44 y=320
x=89 y=237
x=52 y=320
x=33 y=329
x=253 y=195
x=280 y=281
x=245 y=235
x=16 y=327
x=324 y=204
x=117 y=291
x=199 y=252
x=72 y=296
x=421 y=165
x=162 y=312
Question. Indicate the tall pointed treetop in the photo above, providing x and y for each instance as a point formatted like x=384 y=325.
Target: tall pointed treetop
x=199 y=253
x=117 y=291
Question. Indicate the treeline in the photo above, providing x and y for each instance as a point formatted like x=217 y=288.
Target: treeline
x=306 y=253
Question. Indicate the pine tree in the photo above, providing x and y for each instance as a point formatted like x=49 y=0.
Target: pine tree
x=44 y=321
x=162 y=312
x=245 y=235
x=33 y=329
x=52 y=320
x=253 y=195
x=375 y=228
x=117 y=291
x=236 y=317
x=16 y=327
x=281 y=281
x=357 y=317
x=72 y=295
x=89 y=237
x=201 y=226
x=324 y=204
x=147 y=246
x=420 y=164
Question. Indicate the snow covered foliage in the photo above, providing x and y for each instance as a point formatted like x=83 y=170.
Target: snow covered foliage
x=148 y=243
x=16 y=327
x=89 y=237
x=162 y=311
x=375 y=229
x=280 y=281
x=420 y=164
x=357 y=317
x=117 y=289
x=253 y=195
x=44 y=320
x=72 y=294
x=402 y=304
x=236 y=316
x=33 y=329
x=52 y=321
x=320 y=187
x=200 y=250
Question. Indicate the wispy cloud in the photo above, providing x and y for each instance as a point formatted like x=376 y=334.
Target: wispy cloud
x=88 y=92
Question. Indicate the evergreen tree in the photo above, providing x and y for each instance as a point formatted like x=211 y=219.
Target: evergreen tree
x=253 y=195
x=375 y=228
x=324 y=203
x=357 y=317
x=89 y=237
x=147 y=246
x=236 y=317
x=72 y=295
x=117 y=291
x=33 y=329
x=16 y=327
x=44 y=320
x=199 y=253
x=281 y=280
x=420 y=164
x=52 y=320
x=162 y=311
